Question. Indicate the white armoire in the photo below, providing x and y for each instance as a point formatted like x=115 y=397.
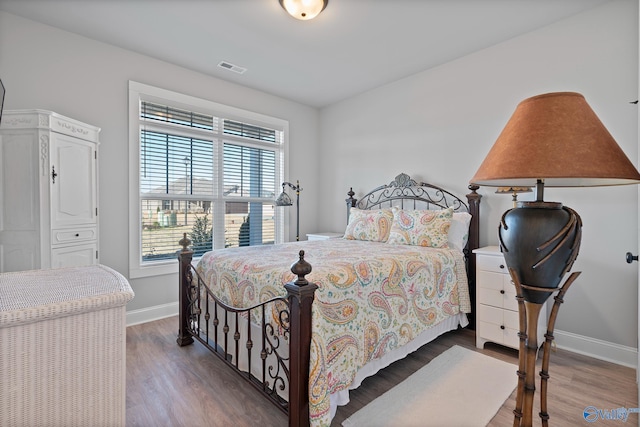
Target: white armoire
x=48 y=191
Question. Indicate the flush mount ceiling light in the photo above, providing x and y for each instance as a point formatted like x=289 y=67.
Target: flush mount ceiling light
x=304 y=9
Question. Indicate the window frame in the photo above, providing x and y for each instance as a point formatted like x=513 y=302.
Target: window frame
x=139 y=92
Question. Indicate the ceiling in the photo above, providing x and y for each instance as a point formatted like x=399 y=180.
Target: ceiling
x=351 y=47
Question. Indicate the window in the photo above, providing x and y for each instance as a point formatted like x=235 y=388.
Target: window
x=200 y=168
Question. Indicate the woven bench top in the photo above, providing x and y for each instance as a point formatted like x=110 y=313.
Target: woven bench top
x=36 y=295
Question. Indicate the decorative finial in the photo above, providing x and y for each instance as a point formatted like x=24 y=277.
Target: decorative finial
x=351 y=193
x=350 y=200
x=185 y=242
x=301 y=268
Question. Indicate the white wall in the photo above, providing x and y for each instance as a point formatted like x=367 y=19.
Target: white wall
x=46 y=68
x=439 y=124
x=436 y=125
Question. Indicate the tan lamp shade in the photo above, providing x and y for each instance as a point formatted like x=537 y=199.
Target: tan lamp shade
x=555 y=137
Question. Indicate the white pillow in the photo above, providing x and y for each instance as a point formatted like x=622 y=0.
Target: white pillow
x=459 y=230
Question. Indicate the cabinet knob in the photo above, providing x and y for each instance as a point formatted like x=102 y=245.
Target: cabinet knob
x=501 y=326
x=502 y=291
x=502 y=266
x=77 y=234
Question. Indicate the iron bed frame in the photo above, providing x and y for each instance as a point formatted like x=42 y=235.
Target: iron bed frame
x=205 y=318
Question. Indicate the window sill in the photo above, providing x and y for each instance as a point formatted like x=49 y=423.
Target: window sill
x=159 y=268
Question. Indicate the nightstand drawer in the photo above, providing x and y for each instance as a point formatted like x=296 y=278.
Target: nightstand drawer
x=491 y=332
x=499 y=334
x=499 y=299
x=499 y=326
x=497 y=317
x=511 y=319
x=490 y=314
x=510 y=302
x=510 y=337
x=491 y=280
x=496 y=290
x=491 y=263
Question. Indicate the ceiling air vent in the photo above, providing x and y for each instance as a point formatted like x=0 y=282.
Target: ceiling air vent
x=229 y=66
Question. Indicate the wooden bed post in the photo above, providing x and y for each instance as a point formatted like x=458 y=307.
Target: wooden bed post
x=474 y=210
x=473 y=243
x=300 y=295
x=185 y=256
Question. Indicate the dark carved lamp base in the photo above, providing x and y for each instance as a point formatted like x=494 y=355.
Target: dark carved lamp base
x=540 y=242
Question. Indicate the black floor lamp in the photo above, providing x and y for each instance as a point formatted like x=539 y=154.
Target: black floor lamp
x=284 y=200
x=553 y=140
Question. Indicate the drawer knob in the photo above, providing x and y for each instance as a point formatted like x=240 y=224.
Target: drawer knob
x=77 y=234
x=502 y=291
x=502 y=266
x=501 y=326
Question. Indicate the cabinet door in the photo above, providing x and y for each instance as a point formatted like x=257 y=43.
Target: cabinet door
x=73 y=181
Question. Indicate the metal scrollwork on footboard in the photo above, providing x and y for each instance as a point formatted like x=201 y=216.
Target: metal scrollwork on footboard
x=279 y=328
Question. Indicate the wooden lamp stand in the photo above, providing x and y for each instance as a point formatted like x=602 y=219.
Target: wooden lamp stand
x=553 y=139
x=529 y=312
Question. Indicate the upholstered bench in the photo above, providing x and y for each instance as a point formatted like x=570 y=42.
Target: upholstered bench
x=62 y=347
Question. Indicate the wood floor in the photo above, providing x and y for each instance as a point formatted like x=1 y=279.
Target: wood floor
x=172 y=386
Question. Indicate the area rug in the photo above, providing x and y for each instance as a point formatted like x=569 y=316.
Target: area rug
x=460 y=388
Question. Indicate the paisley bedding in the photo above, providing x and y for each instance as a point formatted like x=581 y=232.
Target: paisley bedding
x=372 y=298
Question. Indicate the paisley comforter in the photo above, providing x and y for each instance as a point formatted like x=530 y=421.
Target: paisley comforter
x=372 y=297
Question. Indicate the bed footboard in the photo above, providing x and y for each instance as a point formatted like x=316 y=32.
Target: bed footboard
x=227 y=332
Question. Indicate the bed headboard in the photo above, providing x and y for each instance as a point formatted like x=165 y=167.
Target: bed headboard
x=407 y=193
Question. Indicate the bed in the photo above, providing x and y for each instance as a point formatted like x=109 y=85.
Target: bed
x=307 y=333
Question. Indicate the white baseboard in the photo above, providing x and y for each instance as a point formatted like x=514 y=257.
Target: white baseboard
x=149 y=314
x=598 y=349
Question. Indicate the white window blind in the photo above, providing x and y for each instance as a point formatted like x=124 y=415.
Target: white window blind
x=207 y=175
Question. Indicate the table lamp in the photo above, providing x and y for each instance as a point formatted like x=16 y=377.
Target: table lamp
x=553 y=140
x=514 y=191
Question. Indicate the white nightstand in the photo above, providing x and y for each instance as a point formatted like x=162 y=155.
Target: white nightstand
x=496 y=306
x=324 y=236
